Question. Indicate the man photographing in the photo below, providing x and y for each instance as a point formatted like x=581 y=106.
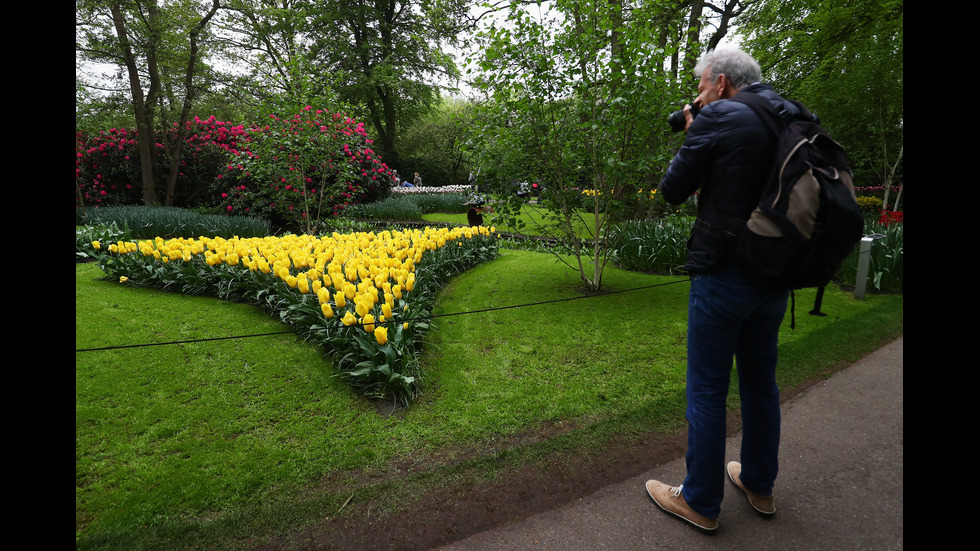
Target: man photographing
x=726 y=159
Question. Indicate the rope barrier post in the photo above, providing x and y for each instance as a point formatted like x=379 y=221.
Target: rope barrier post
x=864 y=260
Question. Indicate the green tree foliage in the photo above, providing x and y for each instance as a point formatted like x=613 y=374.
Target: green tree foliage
x=267 y=44
x=386 y=56
x=438 y=145
x=844 y=60
x=579 y=98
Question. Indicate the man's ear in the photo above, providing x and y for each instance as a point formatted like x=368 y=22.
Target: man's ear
x=727 y=90
x=723 y=84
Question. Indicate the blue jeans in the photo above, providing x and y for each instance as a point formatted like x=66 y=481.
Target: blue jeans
x=730 y=317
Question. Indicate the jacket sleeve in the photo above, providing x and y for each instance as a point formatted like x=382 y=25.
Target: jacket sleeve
x=691 y=163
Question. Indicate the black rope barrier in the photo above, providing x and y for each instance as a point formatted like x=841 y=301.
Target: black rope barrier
x=401 y=320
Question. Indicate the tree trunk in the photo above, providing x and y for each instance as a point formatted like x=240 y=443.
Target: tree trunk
x=889 y=178
x=143 y=114
x=731 y=10
x=693 y=49
x=186 y=107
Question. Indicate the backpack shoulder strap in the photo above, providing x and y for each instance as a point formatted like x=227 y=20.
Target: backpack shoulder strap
x=763 y=108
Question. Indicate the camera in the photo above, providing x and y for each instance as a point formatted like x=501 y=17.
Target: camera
x=677 y=121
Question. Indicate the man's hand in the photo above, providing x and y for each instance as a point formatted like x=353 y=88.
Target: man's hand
x=687 y=114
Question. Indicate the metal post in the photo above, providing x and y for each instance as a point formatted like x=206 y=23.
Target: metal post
x=864 y=260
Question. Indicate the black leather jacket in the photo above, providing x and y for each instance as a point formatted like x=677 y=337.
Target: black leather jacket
x=727 y=153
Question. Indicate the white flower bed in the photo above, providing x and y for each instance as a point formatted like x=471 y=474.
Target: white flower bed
x=443 y=189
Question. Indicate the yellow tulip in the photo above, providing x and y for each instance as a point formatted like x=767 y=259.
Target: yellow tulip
x=123 y=279
x=386 y=310
x=339 y=300
x=368 y=322
x=381 y=335
x=96 y=245
x=327 y=310
x=349 y=319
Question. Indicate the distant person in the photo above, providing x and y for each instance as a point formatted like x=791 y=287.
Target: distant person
x=523 y=190
x=478 y=206
x=725 y=158
x=395 y=178
x=405 y=183
x=417 y=180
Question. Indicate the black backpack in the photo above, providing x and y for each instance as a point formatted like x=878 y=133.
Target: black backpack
x=808 y=220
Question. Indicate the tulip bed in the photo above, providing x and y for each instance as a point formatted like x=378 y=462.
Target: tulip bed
x=365 y=297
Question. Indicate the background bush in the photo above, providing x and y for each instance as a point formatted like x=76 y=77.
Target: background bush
x=660 y=247
x=654 y=246
x=110 y=224
x=108 y=172
x=279 y=170
x=886 y=262
x=301 y=170
x=411 y=206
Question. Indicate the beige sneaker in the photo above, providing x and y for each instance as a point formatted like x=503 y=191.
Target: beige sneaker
x=763 y=505
x=671 y=500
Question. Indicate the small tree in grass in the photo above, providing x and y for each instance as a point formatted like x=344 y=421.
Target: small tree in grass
x=578 y=102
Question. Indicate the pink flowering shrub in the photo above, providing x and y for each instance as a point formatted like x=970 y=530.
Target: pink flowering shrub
x=294 y=172
x=204 y=157
x=108 y=170
x=301 y=170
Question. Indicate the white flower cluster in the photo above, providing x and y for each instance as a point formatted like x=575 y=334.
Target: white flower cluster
x=443 y=189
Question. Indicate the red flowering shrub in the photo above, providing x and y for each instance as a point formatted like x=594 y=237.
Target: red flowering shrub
x=304 y=169
x=108 y=170
x=888 y=218
x=293 y=172
x=207 y=147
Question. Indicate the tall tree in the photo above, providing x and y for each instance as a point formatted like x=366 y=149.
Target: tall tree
x=387 y=56
x=437 y=144
x=267 y=43
x=844 y=60
x=159 y=48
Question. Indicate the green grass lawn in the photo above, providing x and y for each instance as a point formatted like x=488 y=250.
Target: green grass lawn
x=192 y=445
x=532 y=215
